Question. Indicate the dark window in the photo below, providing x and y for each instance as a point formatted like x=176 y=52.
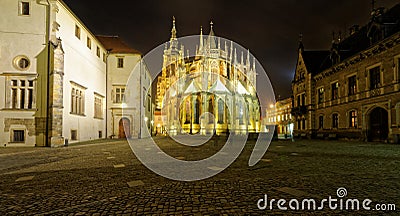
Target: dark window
x=89 y=43
x=24 y=8
x=18 y=136
x=320 y=95
x=335 y=91
x=196 y=111
x=23 y=63
x=210 y=110
x=321 y=122
x=74 y=135
x=98 y=51
x=353 y=119
x=303 y=99
x=221 y=111
x=77 y=31
x=375 y=77
x=352 y=85
x=100 y=134
x=120 y=63
x=303 y=124
x=335 y=120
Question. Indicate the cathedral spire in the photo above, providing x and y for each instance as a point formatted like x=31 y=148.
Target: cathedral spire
x=201 y=40
x=173 y=30
x=211 y=39
x=248 y=60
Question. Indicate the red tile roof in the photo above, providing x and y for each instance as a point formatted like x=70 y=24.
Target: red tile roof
x=116 y=45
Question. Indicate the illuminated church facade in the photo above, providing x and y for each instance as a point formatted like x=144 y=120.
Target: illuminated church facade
x=208 y=92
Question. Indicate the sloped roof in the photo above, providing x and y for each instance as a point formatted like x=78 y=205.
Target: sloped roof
x=316 y=60
x=116 y=45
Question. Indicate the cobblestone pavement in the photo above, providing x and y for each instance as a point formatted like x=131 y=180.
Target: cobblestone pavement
x=105 y=178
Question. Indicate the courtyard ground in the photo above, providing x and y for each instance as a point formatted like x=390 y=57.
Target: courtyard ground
x=104 y=178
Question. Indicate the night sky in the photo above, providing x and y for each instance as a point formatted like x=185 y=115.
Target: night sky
x=270 y=29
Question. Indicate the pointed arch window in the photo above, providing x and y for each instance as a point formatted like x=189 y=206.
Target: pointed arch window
x=196 y=111
x=187 y=111
x=221 y=111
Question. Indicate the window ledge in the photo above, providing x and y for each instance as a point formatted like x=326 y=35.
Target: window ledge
x=16 y=109
x=83 y=115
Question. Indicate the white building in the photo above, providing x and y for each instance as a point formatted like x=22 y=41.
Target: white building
x=58 y=79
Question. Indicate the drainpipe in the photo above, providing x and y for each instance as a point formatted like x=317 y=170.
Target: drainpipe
x=140 y=102
x=106 y=62
x=47 y=39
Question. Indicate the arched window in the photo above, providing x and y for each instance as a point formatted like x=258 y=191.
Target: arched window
x=221 y=111
x=187 y=110
x=196 y=111
x=241 y=114
x=210 y=110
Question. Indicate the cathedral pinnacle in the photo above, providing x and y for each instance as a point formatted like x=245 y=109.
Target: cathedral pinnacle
x=173 y=31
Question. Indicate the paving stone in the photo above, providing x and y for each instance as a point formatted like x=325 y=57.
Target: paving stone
x=135 y=183
x=25 y=178
x=119 y=165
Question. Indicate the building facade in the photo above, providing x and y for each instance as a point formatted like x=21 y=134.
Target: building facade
x=352 y=90
x=280 y=115
x=208 y=92
x=54 y=76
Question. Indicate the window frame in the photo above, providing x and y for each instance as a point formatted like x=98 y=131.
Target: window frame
x=120 y=62
x=77 y=31
x=13 y=135
x=373 y=84
x=21 y=8
x=335 y=120
x=335 y=90
x=352 y=85
x=78 y=99
x=353 y=119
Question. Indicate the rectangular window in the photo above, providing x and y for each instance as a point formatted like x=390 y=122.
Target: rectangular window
x=74 y=135
x=100 y=134
x=104 y=57
x=98 y=106
x=24 y=8
x=321 y=122
x=18 y=136
x=119 y=94
x=89 y=43
x=352 y=85
x=320 y=95
x=335 y=90
x=375 y=77
x=21 y=94
x=77 y=31
x=98 y=51
x=77 y=100
x=353 y=119
x=120 y=62
x=335 y=120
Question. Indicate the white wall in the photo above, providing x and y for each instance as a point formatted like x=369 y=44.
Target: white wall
x=82 y=66
x=19 y=35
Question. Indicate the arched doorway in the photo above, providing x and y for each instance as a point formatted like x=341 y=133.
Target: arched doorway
x=378 y=124
x=124 y=130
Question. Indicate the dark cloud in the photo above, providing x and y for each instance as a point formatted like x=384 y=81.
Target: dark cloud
x=268 y=28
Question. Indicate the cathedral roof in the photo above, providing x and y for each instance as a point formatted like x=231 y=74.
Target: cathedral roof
x=219 y=87
x=116 y=45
